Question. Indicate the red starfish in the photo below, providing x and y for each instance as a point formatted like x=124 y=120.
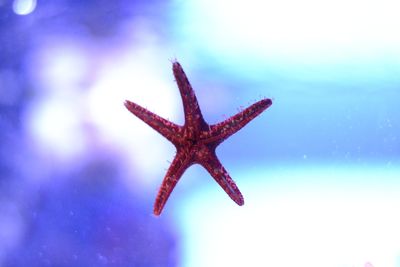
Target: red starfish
x=196 y=140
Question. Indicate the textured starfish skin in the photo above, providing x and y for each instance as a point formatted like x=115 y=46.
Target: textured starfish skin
x=196 y=140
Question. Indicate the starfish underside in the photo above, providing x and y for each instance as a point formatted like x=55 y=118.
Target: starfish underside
x=196 y=140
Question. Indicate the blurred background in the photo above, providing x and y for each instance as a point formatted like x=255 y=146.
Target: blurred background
x=319 y=170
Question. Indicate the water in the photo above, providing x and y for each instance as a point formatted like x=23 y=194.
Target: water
x=319 y=169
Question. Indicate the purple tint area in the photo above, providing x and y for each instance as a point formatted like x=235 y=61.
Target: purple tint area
x=89 y=220
x=69 y=200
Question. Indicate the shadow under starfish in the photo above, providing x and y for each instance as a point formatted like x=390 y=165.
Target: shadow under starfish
x=196 y=140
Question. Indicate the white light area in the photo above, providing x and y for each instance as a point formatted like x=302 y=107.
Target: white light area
x=290 y=29
x=314 y=217
x=55 y=125
x=60 y=64
x=55 y=119
x=136 y=77
x=24 y=7
x=81 y=89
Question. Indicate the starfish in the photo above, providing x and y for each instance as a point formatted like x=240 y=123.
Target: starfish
x=196 y=140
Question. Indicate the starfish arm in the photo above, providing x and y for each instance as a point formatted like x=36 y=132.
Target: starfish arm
x=191 y=108
x=178 y=166
x=169 y=130
x=221 y=176
x=223 y=130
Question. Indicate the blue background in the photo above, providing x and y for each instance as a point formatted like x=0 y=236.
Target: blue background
x=319 y=169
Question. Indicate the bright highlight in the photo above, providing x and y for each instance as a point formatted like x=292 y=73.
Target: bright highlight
x=24 y=7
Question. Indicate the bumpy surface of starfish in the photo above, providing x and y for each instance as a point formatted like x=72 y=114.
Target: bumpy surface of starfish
x=196 y=140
